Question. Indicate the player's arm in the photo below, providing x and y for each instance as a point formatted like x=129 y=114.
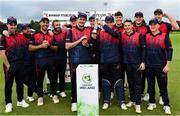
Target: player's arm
x=169 y=53
x=174 y=24
x=2 y=52
x=69 y=44
x=143 y=47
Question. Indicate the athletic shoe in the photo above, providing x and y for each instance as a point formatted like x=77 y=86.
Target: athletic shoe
x=123 y=106
x=138 y=109
x=63 y=94
x=8 y=108
x=105 y=106
x=40 y=101
x=161 y=101
x=22 y=104
x=130 y=104
x=151 y=106
x=74 y=107
x=167 y=110
x=112 y=95
x=146 y=97
x=55 y=99
x=30 y=99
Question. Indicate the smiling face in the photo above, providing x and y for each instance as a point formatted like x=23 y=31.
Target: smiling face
x=44 y=25
x=81 y=21
x=128 y=26
x=119 y=20
x=57 y=26
x=154 y=27
x=92 y=22
x=12 y=27
x=138 y=20
x=158 y=16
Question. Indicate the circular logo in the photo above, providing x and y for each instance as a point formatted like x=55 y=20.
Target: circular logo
x=87 y=78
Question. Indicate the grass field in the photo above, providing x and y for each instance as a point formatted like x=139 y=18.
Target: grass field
x=63 y=108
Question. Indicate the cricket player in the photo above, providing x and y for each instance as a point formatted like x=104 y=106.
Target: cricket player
x=44 y=45
x=141 y=27
x=61 y=55
x=77 y=44
x=110 y=63
x=158 y=57
x=133 y=46
x=165 y=27
x=12 y=54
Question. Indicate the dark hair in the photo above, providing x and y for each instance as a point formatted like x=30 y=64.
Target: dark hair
x=128 y=20
x=54 y=21
x=118 y=13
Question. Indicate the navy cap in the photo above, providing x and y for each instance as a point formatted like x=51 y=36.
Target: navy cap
x=81 y=14
x=11 y=20
x=73 y=18
x=92 y=17
x=24 y=26
x=158 y=11
x=154 y=20
x=109 y=18
x=138 y=14
x=44 y=19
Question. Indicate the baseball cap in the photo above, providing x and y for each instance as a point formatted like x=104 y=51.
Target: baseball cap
x=92 y=17
x=44 y=19
x=11 y=20
x=138 y=14
x=81 y=14
x=73 y=18
x=24 y=26
x=109 y=18
x=154 y=20
x=158 y=11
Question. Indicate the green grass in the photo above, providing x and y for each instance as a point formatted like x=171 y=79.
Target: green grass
x=63 y=108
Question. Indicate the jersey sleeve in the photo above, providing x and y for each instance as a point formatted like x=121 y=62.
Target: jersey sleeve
x=69 y=36
x=2 y=43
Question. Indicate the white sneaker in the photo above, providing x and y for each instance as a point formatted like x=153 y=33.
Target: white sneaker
x=138 y=109
x=130 y=104
x=161 y=101
x=30 y=99
x=8 y=108
x=55 y=99
x=151 y=106
x=40 y=101
x=167 y=110
x=112 y=95
x=22 y=104
x=123 y=106
x=74 y=107
x=63 y=94
x=105 y=106
x=146 y=97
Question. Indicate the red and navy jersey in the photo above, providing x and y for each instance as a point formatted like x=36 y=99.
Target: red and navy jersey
x=165 y=27
x=109 y=45
x=120 y=28
x=80 y=53
x=60 y=39
x=158 y=49
x=14 y=46
x=38 y=39
x=143 y=30
x=133 y=47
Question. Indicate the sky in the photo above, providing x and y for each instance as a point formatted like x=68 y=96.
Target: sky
x=26 y=10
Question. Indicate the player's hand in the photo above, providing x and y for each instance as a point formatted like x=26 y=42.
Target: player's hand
x=94 y=35
x=46 y=42
x=83 y=37
x=166 y=69
x=7 y=66
x=5 y=33
x=142 y=66
x=50 y=33
x=85 y=43
x=44 y=45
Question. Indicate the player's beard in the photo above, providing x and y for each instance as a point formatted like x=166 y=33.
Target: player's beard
x=58 y=29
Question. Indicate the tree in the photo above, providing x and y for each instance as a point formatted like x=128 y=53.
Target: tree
x=35 y=25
